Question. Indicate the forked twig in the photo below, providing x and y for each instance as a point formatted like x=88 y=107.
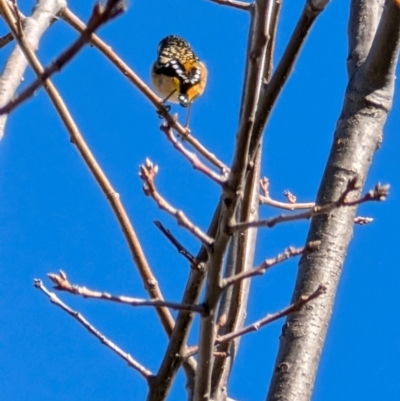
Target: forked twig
x=291 y=205
x=147 y=374
x=147 y=173
x=378 y=193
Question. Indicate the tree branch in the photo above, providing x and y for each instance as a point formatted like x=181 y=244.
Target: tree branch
x=310 y=13
x=92 y=330
x=100 y=16
x=267 y=263
x=150 y=282
x=241 y=5
x=34 y=28
x=379 y=193
x=62 y=284
x=294 y=307
x=192 y=157
x=157 y=102
x=179 y=247
x=147 y=173
x=357 y=137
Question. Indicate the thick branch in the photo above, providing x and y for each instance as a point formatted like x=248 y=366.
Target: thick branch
x=294 y=307
x=357 y=137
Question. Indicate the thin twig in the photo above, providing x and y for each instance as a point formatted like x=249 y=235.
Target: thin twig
x=294 y=307
x=147 y=374
x=150 y=282
x=6 y=39
x=17 y=16
x=272 y=317
x=62 y=284
x=157 y=102
x=267 y=200
x=100 y=15
x=147 y=173
x=379 y=193
x=267 y=263
x=241 y=5
x=192 y=157
x=179 y=247
x=362 y=220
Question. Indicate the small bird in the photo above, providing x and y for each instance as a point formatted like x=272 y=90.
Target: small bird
x=178 y=75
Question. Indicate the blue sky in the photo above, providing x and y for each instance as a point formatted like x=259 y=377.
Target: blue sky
x=53 y=215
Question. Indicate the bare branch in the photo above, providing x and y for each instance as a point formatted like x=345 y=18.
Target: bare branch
x=16 y=64
x=310 y=13
x=262 y=268
x=157 y=102
x=294 y=307
x=272 y=317
x=62 y=284
x=379 y=193
x=192 y=157
x=100 y=15
x=363 y=220
x=256 y=59
x=358 y=134
x=147 y=173
x=179 y=247
x=6 y=39
x=150 y=283
x=92 y=330
x=291 y=205
x=241 y=5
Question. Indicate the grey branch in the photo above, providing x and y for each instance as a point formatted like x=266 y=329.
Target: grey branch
x=34 y=28
x=368 y=99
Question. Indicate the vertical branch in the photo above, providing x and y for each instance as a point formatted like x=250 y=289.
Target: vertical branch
x=243 y=249
x=232 y=194
x=358 y=133
x=271 y=92
x=232 y=311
